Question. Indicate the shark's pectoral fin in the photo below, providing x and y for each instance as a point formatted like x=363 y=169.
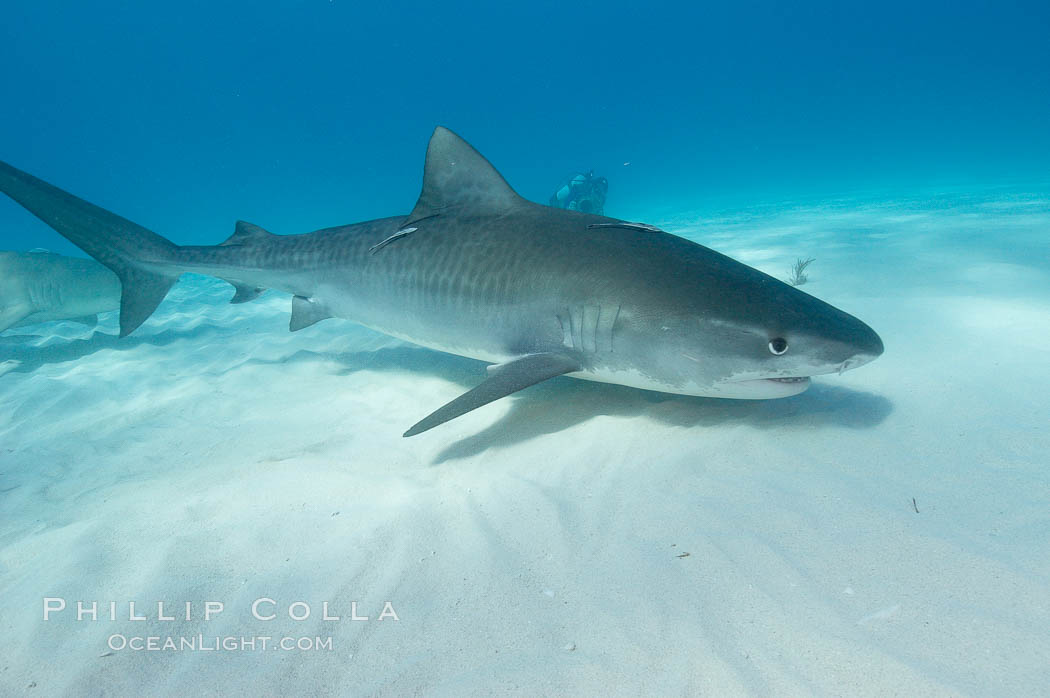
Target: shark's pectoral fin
x=305 y=312
x=13 y=314
x=503 y=380
x=245 y=293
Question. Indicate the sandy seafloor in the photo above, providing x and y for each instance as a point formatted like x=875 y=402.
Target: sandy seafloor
x=537 y=546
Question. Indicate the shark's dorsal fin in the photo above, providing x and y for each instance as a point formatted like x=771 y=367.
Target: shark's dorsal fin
x=245 y=232
x=458 y=178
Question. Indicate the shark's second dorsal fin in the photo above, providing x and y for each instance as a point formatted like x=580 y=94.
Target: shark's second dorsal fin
x=458 y=178
x=245 y=232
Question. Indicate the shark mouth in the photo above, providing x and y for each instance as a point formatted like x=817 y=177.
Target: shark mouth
x=763 y=388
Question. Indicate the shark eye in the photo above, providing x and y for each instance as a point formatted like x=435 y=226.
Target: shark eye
x=778 y=346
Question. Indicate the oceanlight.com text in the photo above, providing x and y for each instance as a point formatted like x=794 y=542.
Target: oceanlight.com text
x=230 y=643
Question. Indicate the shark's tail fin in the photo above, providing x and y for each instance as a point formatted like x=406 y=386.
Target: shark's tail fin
x=135 y=254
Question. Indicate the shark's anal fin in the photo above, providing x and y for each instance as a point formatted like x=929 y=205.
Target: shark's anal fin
x=245 y=293
x=306 y=312
x=503 y=380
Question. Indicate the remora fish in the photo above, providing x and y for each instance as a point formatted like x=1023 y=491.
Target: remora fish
x=478 y=271
x=39 y=286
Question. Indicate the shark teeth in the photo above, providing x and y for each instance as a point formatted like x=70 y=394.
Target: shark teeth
x=793 y=379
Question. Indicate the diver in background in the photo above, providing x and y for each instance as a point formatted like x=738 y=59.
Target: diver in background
x=583 y=192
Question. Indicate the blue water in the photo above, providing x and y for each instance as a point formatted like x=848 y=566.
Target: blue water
x=298 y=115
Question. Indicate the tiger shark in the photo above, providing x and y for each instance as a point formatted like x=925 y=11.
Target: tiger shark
x=478 y=271
x=39 y=286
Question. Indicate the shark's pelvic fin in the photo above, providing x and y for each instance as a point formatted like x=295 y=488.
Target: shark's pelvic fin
x=458 y=178
x=503 y=380
x=306 y=312
x=131 y=251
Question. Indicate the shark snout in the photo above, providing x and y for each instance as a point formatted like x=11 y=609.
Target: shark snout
x=873 y=346
x=865 y=345
x=870 y=346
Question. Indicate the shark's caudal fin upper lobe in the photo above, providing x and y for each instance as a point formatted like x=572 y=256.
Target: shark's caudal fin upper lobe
x=131 y=251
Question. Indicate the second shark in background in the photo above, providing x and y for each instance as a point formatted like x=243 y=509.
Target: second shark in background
x=40 y=286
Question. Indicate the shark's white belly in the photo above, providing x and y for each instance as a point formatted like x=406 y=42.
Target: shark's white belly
x=629 y=377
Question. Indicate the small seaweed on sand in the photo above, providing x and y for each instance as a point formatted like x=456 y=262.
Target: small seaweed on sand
x=798 y=271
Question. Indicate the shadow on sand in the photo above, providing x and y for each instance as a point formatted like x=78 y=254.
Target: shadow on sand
x=30 y=351
x=563 y=402
x=542 y=409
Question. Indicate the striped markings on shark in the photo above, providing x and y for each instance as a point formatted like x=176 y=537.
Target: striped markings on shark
x=476 y=270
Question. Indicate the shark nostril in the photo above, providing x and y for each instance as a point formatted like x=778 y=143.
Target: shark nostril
x=857 y=360
x=853 y=362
